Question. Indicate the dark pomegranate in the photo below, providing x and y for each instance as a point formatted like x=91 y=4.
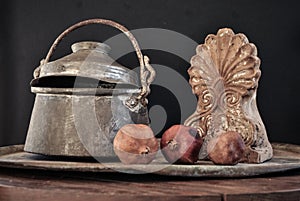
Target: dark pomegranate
x=226 y=149
x=181 y=144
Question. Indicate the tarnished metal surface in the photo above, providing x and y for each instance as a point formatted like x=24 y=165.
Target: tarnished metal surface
x=90 y=59
x=67 y=125
x=82 y=120
x=286 y=157
x=84 y=91
x=147 y=73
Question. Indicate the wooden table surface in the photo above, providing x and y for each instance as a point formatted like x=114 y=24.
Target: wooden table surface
x=17 y=184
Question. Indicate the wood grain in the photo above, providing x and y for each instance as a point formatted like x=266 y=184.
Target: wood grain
x=31 y=185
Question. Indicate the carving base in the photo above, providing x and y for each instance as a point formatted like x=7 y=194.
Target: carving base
x=258 y=155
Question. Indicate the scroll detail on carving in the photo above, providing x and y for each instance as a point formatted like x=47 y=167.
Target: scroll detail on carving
x=224 y=75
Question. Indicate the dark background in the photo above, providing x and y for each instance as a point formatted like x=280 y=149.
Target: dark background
x=29 y=27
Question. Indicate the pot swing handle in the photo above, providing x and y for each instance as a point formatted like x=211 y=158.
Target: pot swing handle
x=147 y=73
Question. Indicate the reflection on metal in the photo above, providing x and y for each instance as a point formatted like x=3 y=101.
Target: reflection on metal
x=83 y=98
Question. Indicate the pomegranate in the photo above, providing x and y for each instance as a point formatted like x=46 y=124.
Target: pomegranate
x=181 y=144
x=226 y=149
x=135 y=144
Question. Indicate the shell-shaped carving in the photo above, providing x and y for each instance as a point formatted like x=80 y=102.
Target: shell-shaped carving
x=224 y=75
x=227 y=57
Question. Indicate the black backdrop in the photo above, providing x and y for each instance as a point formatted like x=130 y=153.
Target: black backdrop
x=29 y=27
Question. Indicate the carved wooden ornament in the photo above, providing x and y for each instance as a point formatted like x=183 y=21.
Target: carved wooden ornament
x=224 y=75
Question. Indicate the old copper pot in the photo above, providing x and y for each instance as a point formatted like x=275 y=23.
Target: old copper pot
x=84 y=98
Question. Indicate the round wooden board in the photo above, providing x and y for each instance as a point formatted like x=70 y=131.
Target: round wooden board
x=286 y=157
